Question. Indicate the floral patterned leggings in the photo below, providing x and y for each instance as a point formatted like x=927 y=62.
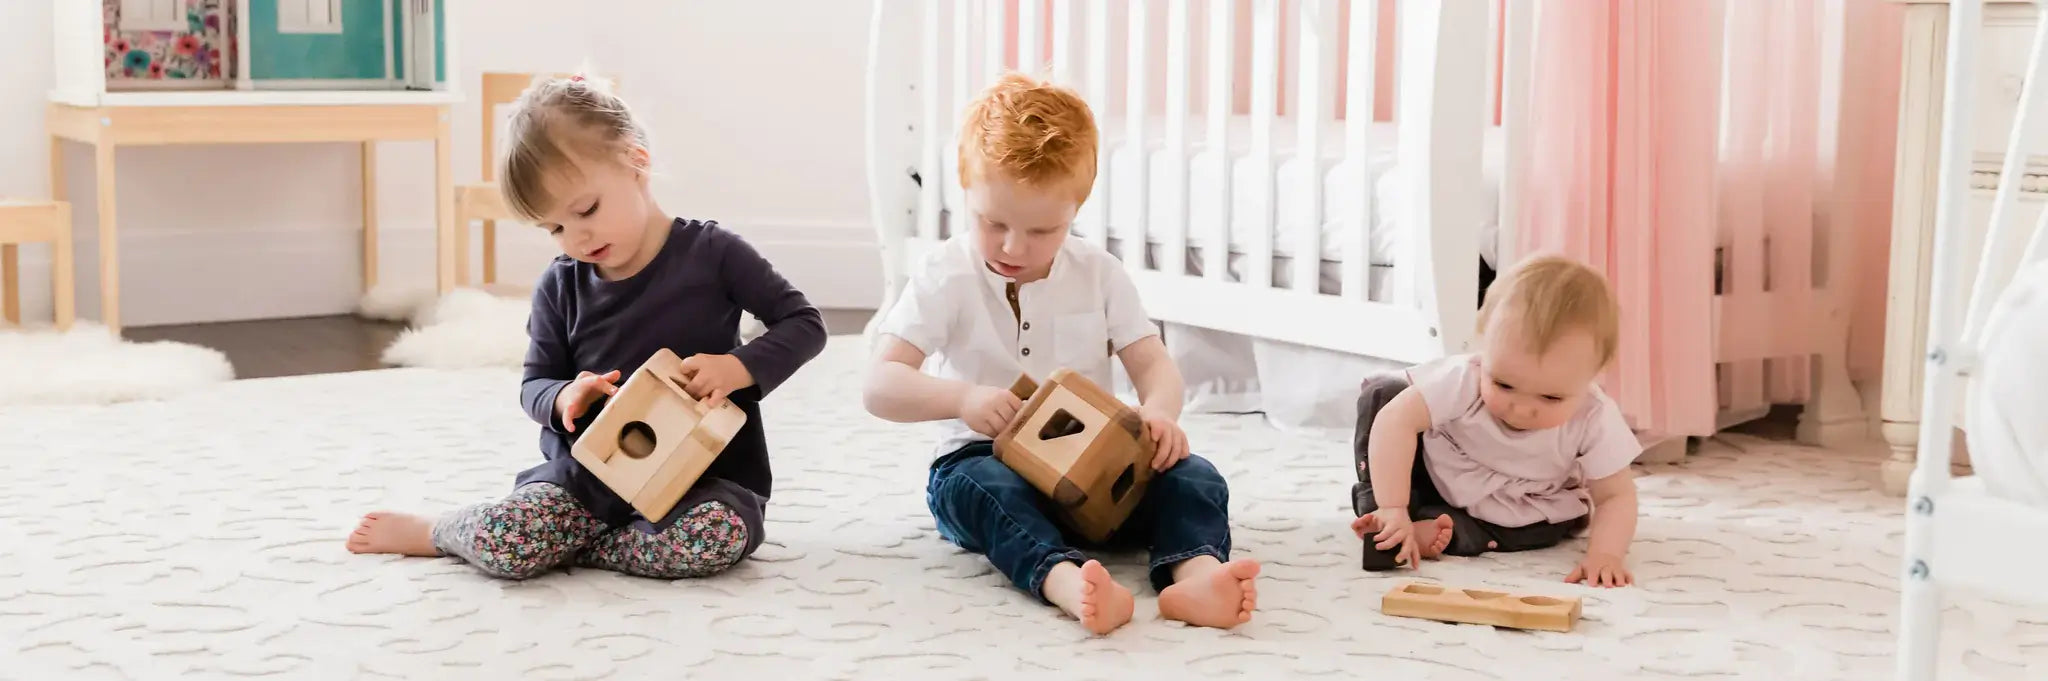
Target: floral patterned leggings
x=540 y=527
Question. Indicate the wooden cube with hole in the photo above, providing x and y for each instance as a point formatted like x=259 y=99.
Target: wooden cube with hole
x=652 y=440
x=1478 y=606
x=1081 y=447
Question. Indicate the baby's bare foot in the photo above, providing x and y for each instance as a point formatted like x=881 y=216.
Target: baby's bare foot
x=1212 y=594
x=1433 y=545
x=392 y=532
x=1090 y=595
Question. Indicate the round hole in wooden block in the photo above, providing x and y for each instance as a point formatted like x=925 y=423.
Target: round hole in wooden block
x=636 y=440
x=1544 y=601
x=1483 y=595
x=1424 y=589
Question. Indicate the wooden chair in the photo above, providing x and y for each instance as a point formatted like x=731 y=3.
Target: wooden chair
x=482 y=201
x=28 y=221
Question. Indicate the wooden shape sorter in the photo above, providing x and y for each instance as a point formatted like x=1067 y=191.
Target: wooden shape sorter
x=1475 y=606
x=1081 y=447
x=652 y=440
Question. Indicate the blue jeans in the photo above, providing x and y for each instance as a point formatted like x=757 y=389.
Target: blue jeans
x=984 y=507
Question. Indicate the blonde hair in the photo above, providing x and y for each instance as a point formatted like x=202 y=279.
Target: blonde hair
x=1037 y=133
x=556 y=122
x=1546 y=296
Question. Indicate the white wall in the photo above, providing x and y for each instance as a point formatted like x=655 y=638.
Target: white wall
x=756 y=111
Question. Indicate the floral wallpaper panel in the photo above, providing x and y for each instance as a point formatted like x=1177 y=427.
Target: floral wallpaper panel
x=200 y=52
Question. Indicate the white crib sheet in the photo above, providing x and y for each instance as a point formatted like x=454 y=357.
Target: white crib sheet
x=1338 y=175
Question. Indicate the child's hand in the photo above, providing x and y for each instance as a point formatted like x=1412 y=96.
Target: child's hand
x=1173 y=442
x=1602 y=569
x=989 y=410
x=579 y=394
x=712 y=377
x=1395 y=529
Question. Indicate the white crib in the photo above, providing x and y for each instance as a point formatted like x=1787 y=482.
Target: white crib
x=1246 y=223
x=1957 y=533
x=1271 y=215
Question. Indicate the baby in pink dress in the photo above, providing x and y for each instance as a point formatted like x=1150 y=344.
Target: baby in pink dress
x=1511 y=448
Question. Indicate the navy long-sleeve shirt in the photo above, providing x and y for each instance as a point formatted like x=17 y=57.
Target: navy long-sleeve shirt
x=688 y=300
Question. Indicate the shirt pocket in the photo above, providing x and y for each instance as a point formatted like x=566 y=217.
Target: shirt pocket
x=1081 y=341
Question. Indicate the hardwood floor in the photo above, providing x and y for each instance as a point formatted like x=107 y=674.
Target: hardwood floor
x=285 y=347
x=322 y=345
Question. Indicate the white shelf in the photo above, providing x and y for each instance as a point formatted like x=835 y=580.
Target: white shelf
x=265 y=98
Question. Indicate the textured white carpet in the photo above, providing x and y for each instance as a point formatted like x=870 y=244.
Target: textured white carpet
x=202 y=538
x=88 y=365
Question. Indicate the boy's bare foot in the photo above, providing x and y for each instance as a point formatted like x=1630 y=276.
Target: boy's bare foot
x=1089 y=594
x=1434 y=545
x=1208 y=593
x=391 y=532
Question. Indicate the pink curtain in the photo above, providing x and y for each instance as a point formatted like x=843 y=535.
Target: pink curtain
x=1623 y=145
x=1681 y=143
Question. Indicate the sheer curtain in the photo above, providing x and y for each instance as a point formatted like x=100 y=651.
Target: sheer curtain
x=1676 y=140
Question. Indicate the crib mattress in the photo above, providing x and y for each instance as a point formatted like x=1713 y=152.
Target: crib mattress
x=1340 y=180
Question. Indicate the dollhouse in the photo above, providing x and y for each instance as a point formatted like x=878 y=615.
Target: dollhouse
x=139 y=52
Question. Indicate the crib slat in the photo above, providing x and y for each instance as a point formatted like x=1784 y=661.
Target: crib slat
x=1359 y=103
x=1994 y=269
x=930 y=157
x=1063 y=41
x=1317 y=29
x=993 y=26
x=1173 y=252
x=1030 y=36
x=1222 y=84
x=1265 y=104
x=1095 y=212
x=1136 y=70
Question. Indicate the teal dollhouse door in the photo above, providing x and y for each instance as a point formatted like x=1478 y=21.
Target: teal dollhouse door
x=345 y=44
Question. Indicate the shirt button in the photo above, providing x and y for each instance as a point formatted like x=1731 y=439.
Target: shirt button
x=1027 y=326
x=1027 y=352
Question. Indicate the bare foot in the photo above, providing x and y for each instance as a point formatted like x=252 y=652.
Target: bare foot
x=1090 y=595
x=1206 y=593
x=391 y=532
x=1434 y=545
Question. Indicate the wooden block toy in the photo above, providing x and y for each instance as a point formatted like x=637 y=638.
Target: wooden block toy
x=1081 y=447
x=1475 y=606
x=652 y=440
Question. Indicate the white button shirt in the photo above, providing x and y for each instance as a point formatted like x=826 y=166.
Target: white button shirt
x=958 y=313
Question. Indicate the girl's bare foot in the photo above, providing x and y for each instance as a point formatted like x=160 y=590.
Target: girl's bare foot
x=1434 y=545
x=1208 y=593
x=1089 y=594
x=391 y=532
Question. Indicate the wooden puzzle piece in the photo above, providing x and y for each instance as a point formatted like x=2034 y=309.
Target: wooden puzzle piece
x=1479 y=606
x=652 y=440
x=1080 y=446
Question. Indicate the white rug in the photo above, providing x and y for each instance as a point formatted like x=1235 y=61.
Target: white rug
x=88 y=365
x=202 y=537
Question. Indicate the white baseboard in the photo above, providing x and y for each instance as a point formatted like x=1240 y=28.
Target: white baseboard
x=176 y=276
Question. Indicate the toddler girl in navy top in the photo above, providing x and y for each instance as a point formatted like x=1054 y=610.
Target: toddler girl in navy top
x=631 y=281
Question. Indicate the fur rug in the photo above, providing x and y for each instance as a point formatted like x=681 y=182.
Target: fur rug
x=88 y=365
x=466 y=329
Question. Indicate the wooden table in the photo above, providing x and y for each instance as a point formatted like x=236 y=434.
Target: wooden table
x=238 y=118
